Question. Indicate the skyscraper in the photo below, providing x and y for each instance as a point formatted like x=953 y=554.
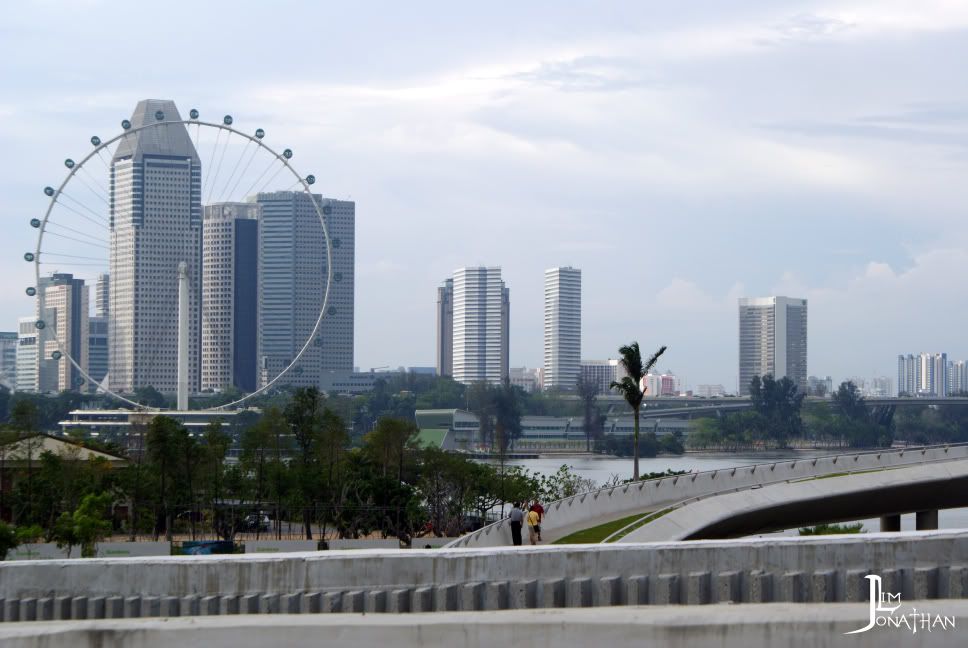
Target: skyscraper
x=772 y=340
x=562 y=328
x=229 y=296
x=481 y=323
x=63 y=305
x=97 y=350
x=445 y=328
x=292 y=276
x=155 y=223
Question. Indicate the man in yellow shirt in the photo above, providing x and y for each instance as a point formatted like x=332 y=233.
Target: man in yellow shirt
x=533 y=521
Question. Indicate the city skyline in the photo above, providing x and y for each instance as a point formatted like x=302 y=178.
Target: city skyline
x=734 y=177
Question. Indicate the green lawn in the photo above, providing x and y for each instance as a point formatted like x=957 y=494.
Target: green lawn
x=597 y=533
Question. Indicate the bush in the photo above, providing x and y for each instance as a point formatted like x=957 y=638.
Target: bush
x=8 y=539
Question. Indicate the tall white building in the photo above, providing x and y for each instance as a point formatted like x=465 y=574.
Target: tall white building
x=27 y=336
x=772 y=340
x=155 y=224
x=292 y=277
x=230 y=296
x=562 y=328
x=481 y=325
x=957 y=378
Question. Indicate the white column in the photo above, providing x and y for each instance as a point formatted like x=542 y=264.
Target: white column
x=183 y=315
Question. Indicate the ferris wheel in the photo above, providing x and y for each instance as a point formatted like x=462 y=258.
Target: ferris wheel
x=82 y=236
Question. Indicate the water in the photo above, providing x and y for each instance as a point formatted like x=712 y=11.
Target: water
x=601 y=468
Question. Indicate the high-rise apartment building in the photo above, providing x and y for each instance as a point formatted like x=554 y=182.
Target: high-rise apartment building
x=63 y=305
x=292 y=277
x=957 y=378
x=155 y=224
x=445 y=328
x=480 y=325
x=924 y=374
x=230 y=289
x=8 y=359
x=102 y=295
x=772 y=340
x=562 y=328
x=27 y=335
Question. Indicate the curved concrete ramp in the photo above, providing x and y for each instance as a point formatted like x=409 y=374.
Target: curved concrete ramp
x=813 y=501
x=590 y=509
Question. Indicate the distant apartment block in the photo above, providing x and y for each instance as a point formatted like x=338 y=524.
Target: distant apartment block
x=710 y=391
x=445 y=328
x=8 y=359
x=924 y=374
x=526 y=379
x=602 y=373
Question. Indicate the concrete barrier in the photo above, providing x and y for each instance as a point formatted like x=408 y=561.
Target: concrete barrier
x=811 y=569
x=279 y=546
x=735 y=626
x=578 y=512
x=40 y=551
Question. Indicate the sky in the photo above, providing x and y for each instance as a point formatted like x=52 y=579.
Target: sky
x=681 y=154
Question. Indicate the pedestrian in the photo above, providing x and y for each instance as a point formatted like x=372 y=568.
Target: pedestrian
x=537 y=508
x=517 y=517
x=533 y=526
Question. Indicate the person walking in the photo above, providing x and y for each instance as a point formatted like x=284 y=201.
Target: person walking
x=533 y=526
x=536 y=507
x=517 y=517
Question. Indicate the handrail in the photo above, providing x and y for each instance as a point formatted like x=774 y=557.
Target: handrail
x=771 y=465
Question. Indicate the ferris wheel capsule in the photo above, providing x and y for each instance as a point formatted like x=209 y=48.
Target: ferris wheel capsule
x=193 y=113
x=259 y=133
x=125 y=124
x=96 y=141
x=227 y=120
x=287 y=154
x=69 y=163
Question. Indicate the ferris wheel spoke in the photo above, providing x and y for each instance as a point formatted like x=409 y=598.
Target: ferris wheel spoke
x=271 y=178
x=218 y=167
x=100 y=223
x=77 y=240
x=245 y=170
x=211 y=161
x=76 y=232
x=235 y=168
x=259 y=179
x=94 y=187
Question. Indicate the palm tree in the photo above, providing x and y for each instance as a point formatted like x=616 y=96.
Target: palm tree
x=632 y=389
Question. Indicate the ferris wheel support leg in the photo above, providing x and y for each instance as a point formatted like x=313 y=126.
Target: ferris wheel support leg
x=182 y=336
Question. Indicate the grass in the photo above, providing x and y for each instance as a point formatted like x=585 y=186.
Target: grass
x=597 y=533
x=641 y=523
x=832 y=529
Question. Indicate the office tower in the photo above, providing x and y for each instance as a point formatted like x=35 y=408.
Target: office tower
x=907 y=375
x=772 y=340
x=481 y=322
x=155 y=224
x=27 y=354
x=562 y=328
x=291 y=279
x=63 y=305
x=445 y=328
x=97 y=350
x=230 y=290
x=8 y=359
x=102 y=295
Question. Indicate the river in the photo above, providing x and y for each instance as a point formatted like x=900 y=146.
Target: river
x=601 y=468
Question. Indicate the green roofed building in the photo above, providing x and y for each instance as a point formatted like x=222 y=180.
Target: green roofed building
x=448 y=429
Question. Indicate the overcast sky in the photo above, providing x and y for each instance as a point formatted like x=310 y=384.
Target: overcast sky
x=681 y=154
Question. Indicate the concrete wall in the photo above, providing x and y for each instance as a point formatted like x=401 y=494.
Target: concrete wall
x=788 y=505
x=736 y=626
x=826 y=569
x=575 y=513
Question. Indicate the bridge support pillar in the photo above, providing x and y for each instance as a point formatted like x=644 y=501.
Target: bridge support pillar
x=926 y=520
x=891 y=522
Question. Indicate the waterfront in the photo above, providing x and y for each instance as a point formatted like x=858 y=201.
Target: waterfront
x=601 y=468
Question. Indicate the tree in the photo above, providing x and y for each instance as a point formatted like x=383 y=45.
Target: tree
x=480 y=401
x=849 y=401
x=8 y=539
x=86 y=526
x=304 y=415
x=632 y=389
x=779 y=402
x=163 y=451
x=217 y=445
x=507 y=411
